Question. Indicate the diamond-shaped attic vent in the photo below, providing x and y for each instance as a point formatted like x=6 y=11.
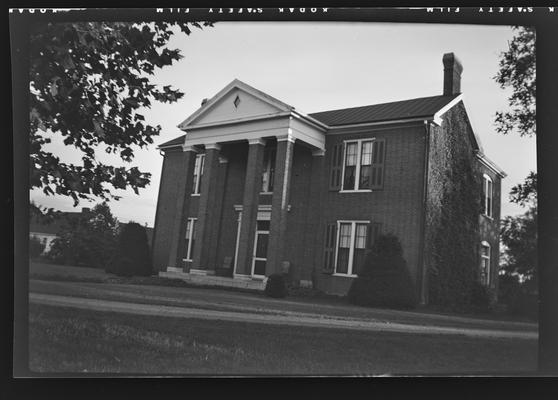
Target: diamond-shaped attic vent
x=236 y=101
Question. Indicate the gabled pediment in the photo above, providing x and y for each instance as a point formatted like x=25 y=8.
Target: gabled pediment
x=237 y=101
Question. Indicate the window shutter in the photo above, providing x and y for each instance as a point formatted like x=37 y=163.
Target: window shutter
x=378 y=158
x=336 y=167
x=373 y=231
x=329 y=251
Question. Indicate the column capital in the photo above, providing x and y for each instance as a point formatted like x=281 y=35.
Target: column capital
x=213 y=146
x=287 y=136
x=257 y=141
x=318 y=152
x=189 y=147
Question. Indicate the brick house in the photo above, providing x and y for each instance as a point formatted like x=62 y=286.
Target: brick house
x=255 y=187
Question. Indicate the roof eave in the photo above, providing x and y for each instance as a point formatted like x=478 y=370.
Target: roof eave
x=490 y=164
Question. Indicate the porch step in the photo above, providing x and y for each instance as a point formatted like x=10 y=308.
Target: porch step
x=212 y=280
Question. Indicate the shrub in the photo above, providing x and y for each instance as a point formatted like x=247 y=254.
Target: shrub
x=276 y=286
x=36 y=247
x=132 y=252
x=479 y=298
x=385 y=280
x=516 y=297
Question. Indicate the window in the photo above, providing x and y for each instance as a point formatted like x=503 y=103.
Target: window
x=351 y=246
x=485 y=264
x=198 y=172
x=487 y=196
x=363 y=165
x=268 y=169
x=190 y=239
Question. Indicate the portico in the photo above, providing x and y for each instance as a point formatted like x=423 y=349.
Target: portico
x=247 y=140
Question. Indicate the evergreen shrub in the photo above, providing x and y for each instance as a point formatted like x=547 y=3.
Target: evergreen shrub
x=132 y=256
x=276 y=286
x=385 y=280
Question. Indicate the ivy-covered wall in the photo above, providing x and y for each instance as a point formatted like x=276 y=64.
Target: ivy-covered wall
x=452 y=214
x=489 y=229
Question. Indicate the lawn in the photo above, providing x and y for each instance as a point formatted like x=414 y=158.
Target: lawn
x=75 y=341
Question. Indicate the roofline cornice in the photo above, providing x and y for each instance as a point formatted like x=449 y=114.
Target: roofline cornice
x=338 y=129
x=490 y=164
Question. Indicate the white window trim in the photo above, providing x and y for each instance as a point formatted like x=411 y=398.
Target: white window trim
x=487 y=179
x=191 y=236
x=263 y=216
x=198 y=173
x=357 y=171
x=483 y=257
x=351 y=248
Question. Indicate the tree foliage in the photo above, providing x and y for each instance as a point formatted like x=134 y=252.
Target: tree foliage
x=86 y=239
x=525 y=193
x=519 y=236
x=89 y=82
x=518 y=72
x=131 y=257
x=36 y=247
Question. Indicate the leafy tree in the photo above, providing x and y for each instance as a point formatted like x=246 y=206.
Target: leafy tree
x=132 y=256
x=525 y=193
x=87 y=238
x=519 y=236
x=518 y=72
x=88 y=84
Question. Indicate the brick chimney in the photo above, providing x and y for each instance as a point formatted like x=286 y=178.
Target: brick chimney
x=452 y=74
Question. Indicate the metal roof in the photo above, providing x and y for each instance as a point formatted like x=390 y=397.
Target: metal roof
x=414 y=108
x=396 y=110
x=174 y=142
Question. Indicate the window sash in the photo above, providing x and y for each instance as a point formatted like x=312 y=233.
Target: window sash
x=488 y=195
x=269 y=170
x=357 y=166
x=189 y=238
x=351 y=238
x=485 y=265
x=198 y=172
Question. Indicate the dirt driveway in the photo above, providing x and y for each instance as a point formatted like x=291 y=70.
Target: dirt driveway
x=227 y=305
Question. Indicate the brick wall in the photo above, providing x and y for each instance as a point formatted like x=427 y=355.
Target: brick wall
x=234 y=189
x=172 y=180
x=296 y=219
x=490 y=227
x=398 y=207
x=452 y=210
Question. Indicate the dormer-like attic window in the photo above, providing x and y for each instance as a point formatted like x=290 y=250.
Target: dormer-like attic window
x=236 y=101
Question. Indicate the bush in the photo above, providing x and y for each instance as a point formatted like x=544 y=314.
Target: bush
x=517 y=299
x=479 y=298
x=36 y=247
x=276 y=286
x=385 y=280
x=132 y=253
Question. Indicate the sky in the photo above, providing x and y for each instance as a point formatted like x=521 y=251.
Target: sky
x=319 y=66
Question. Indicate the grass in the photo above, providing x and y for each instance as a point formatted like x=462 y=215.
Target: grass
x=52 y=272
x=135 y=280
x=75 y=341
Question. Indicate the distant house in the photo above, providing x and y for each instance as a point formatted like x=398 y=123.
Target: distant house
x=46 y=232
x=256 y=186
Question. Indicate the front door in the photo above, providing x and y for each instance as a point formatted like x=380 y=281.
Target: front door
x=259 y=258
